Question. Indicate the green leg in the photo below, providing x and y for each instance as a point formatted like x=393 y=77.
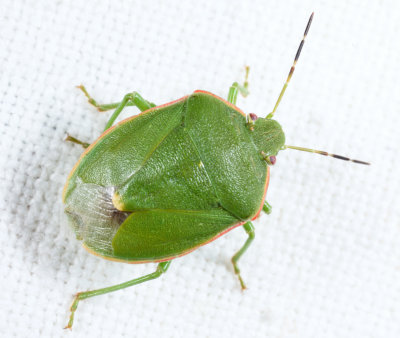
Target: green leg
x=75 y=140
x=161 y=268
x=249 y=228
x=267 y=208
x=236 y=88
x=109 y=106
x=133 y=99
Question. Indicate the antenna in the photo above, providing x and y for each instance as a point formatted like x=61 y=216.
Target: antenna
x=293 y=67
x=326 y=154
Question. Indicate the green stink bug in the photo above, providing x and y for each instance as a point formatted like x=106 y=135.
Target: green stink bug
x=158 y=185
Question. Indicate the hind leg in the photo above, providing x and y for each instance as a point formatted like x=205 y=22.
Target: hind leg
x=161 y=268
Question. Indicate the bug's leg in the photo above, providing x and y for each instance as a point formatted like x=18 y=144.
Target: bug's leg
x=108 y=106
x=267 y=208
x=133 y=99
x=249 y=228
x=75 y=140
x=161 y=268
x=236 y=88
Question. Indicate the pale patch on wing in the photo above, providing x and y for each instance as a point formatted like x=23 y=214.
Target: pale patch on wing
x=93 y=216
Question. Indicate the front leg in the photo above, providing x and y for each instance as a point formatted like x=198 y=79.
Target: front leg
x=236 y=88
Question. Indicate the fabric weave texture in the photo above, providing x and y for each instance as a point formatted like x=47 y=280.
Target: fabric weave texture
x=325 y=263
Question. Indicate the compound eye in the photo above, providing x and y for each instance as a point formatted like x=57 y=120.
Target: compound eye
x=271 y=160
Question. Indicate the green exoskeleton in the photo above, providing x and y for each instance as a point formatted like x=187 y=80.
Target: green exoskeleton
x=160 y=184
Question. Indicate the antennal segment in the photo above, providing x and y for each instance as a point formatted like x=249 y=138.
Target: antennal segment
x=293 y=67
x=326 y=154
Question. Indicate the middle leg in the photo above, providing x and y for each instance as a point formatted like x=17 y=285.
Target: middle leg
x=249 y=228
x=131 y=99
x=108 y=106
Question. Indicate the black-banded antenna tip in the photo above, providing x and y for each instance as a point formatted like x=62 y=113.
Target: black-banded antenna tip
x=309 y=23
x=298 y=52
x=324 y=153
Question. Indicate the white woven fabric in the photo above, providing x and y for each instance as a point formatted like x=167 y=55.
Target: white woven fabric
x=325 y=263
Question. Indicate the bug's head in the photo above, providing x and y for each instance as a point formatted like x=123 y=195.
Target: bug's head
x=269 y=138
x=268 y=134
